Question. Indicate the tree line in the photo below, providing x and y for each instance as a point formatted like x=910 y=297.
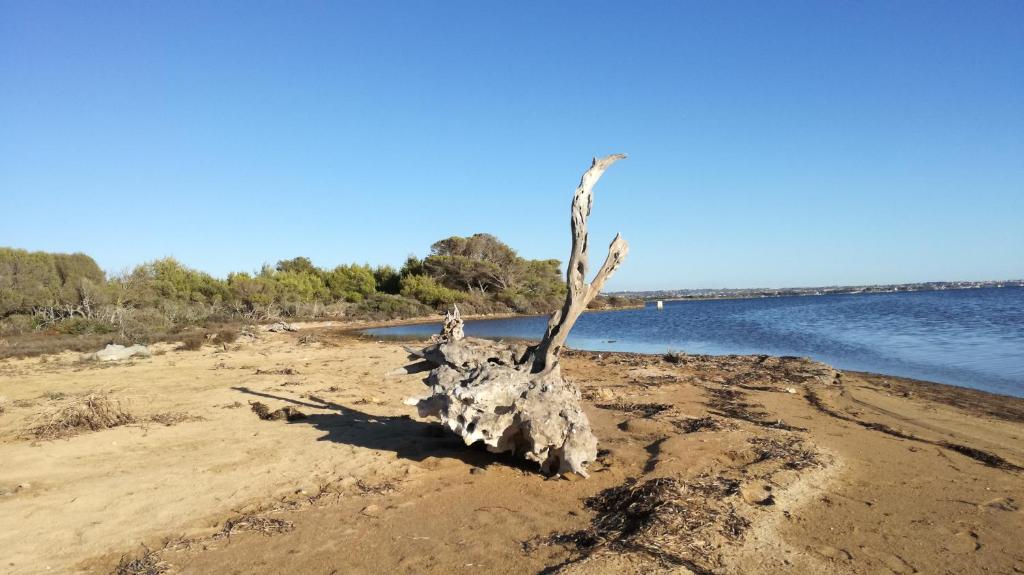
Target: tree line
x=70 y=293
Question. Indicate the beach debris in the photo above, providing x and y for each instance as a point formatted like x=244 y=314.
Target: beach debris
x=280 y=326
x=695 y=424
x=146 y=563
x=115 y=352
x=511 y=397
x=92 y=412
x=288 y=413
x=680 y=523
x=641 y=409
x=281 y=371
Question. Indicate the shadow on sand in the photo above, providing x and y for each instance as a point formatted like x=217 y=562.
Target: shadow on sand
x=403 y=435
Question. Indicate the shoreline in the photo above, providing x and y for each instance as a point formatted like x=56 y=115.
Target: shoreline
x=356 y=332
x=852 y=461
x=760 y=293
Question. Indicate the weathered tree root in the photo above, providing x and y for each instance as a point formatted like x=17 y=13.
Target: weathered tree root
x=513 y=398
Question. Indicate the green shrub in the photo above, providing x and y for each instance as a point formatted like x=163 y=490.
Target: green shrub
x=387 y=279
x=351 y=283
x=388 y=306
x=85 y=326
x=143 y=325
x=426 y=290
x=17 y=325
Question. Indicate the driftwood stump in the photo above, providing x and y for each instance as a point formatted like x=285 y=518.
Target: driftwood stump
x=513 y=398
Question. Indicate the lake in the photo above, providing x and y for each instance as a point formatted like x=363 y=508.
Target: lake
x=972 y=338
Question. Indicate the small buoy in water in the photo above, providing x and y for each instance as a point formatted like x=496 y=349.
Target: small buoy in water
x=661 y=304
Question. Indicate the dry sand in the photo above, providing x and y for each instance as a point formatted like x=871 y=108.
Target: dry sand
x=746 y=464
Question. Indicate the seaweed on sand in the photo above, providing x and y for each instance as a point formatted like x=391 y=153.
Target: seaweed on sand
x=673 y=521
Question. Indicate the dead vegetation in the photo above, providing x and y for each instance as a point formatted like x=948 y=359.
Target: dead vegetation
x=148 y=563
x=254 y=523
x=695 y=424
x=92 y=412
x=169 y=418
x=731 y=403
x=282 y=371
x=791 y=451
x=679 y=523
x=191 y=342
x=288 y=413
x=381 y=488
x=675 y=357
x=646 y=410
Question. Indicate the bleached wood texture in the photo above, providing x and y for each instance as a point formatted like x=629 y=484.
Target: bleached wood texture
x=513 y=398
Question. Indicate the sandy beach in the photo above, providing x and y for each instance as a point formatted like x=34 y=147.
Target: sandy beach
x=708 y=464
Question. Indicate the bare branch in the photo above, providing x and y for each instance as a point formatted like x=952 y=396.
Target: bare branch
x=579 y=293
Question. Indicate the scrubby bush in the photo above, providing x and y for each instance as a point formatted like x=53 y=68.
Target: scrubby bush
x=388 y=306
x=44 y=295
x=427 y=290
x=387 y=279
x=17 y=325
x=351 y=283
x=85 y=326
x=60 y=285
x=192 y=341
x=143 y=325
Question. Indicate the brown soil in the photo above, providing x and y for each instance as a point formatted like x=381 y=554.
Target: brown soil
x=728 y=464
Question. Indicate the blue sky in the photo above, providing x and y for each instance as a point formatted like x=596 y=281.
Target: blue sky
x=771 y=143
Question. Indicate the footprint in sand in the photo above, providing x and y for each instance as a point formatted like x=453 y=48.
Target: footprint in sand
x=963 y=542
x=832 y=553
x=894 y=563
x=757 y=493
x=1003 y=504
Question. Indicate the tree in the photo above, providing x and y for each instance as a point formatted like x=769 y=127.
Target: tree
x=387 y=279
x=301 y=265
x=427 y=290
x=351 y=282
x=481 y=262
x=62 y=284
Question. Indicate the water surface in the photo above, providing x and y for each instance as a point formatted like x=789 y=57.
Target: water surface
x=972 y=338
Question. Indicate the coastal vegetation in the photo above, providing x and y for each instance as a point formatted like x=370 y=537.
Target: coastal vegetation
x=43 y=295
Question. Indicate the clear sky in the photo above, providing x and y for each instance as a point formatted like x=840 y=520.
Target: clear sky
x=771 y=143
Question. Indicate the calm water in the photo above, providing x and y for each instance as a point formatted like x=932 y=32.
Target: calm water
x=973 y=338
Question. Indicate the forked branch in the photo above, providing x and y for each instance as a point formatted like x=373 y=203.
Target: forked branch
x=579 y=292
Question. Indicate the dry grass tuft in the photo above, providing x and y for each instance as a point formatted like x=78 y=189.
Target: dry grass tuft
x=376 y=488
x=90 y=413
x=148 y=563
x=170 y=418
x=224 y=336
x=191 y=342
x=282 y=371
x=254 y=523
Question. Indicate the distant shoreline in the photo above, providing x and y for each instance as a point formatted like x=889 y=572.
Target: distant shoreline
x=755 y=293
